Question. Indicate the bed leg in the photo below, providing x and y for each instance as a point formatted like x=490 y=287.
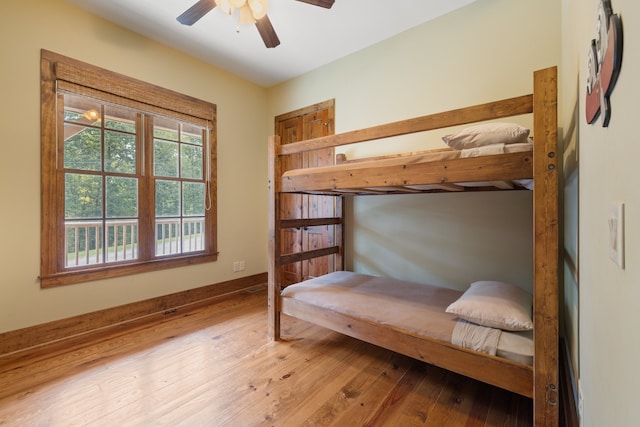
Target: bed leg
x=273 y=317
x=274 y=328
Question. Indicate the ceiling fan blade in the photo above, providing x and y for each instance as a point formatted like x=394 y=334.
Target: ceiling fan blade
x=195 y=12
x=267 y=32
x=322 y=3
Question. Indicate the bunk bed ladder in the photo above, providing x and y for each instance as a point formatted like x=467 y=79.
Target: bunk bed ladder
x=276 y=224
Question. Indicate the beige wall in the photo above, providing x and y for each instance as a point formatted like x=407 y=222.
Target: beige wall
x=608 y=296
x=26 y=26
x=482 y=52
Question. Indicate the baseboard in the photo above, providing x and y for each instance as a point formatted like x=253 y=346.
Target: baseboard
x=46 y=333
x=568 y=396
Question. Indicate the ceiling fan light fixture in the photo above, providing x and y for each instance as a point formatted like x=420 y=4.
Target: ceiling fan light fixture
x=249 y=11
x=225 y=6
x=245 y=15
x=258 y=8
x=92 y=115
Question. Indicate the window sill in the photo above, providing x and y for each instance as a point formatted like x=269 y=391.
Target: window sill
x=103 y=272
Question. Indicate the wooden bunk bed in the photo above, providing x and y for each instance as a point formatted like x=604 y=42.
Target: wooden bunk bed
x=428 y=172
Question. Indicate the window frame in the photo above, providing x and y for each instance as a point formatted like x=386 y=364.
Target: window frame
x=60 y=73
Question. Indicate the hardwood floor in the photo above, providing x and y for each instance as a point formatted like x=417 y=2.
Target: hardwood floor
x=211 y=365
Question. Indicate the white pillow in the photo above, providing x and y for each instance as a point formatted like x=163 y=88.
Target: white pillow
x=487 y=134
x=496 y=305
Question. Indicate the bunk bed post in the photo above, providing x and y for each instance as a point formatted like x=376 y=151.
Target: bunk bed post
x=274 y=236
x=545 y=229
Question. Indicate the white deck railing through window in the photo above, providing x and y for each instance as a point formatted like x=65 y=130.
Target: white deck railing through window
x=170 y=240
x=84 y=240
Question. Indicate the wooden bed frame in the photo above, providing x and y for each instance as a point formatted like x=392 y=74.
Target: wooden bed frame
x=540 y=381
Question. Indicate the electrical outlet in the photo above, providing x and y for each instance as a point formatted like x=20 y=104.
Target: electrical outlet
x=616 y=233
x=238 y=266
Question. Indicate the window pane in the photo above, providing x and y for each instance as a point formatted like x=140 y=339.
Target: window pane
x=82 y=110
x=167 y=198
x=168 y=239
x=191 y=162
x=82 y=196
x=191 y=134
x=119 y=152
x=122 y=240
x=165 y=158
x=83 y=243
x=165 y=128
x=82 y=148
x=122 y=197
x=193 y=234
x=193 y=199
x=119 y=119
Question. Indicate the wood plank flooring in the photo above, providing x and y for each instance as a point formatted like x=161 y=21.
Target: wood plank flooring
x=212 y=365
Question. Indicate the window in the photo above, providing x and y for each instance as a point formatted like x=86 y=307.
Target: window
x=128 y=175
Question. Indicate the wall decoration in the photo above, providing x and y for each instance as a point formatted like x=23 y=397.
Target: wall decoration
x=604 y=62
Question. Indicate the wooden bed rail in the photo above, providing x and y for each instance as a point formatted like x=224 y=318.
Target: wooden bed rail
x=309 y=222
x=305 y=255
x=492 y=110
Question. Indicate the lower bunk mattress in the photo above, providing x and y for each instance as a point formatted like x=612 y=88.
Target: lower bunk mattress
x=416 y=308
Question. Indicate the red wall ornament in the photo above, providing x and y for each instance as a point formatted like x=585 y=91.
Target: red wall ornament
x=604 y=62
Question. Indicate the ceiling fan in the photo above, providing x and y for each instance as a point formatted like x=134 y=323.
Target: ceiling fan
x=250 y=11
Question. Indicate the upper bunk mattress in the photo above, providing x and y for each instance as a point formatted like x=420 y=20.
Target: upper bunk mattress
x=415 y=308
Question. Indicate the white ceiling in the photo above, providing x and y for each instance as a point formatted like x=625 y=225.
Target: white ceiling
x=310 y=36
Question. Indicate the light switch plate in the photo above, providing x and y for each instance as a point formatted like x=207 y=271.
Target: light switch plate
x=616 y=233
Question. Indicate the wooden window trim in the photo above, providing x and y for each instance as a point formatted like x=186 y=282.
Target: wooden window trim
x=59 y=72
